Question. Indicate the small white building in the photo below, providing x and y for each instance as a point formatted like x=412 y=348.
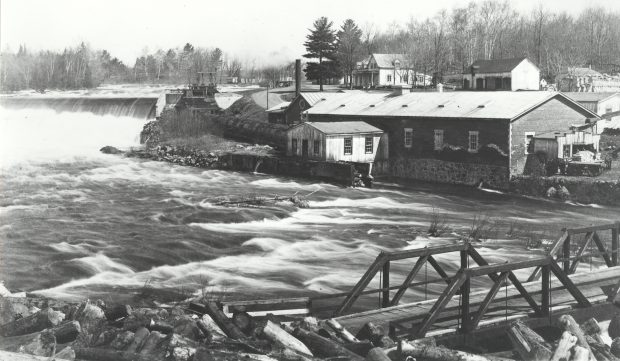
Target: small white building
x=349 y=141
x=607 y=105
x=387 y=70
x=502 y=74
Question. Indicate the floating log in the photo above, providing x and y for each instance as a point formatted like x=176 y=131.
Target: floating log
x=341 y=331
x=101 y=354
x=323 y=347
x=434 y=353
x=615 y=347
x=568 y=323
x=614 y=326
x=600 y=350
x=563 y=351
x=279 y=336
x=528 y=344
x=204 y=354
x=211 y=308
x=591 y=328
x=376 y=335
x=377 y=354
x=139 y=337
x=34 y=323
x=116 y=312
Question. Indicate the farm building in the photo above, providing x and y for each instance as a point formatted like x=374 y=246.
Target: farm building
x=458 y=137
x=387 y=70
x=607 y=105
x=350 y=141
x=502 y=74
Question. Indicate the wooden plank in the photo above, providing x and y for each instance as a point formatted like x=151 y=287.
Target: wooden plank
x=410 y=277
x=545 y=283
x=446 y=296
x=385 y=295
x=465 y=291
x=426 y=251
x=502 y=267
x=570 y=286
x=566 y=254
x=526 y=295
x=361 y=284
x=438 y=269
x=615 y=240
x=602 y=227
x=559 y=243
x=582 y=248
x=487 y=300
x=603 y=250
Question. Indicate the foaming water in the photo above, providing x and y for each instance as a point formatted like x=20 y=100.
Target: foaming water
x=76 y=223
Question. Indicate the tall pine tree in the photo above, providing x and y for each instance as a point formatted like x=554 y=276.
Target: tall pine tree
x=349 y=48
x=321 y=45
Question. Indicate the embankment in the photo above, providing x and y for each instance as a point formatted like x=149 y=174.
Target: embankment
x=579 y=189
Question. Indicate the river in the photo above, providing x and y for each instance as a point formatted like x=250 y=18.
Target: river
x=75 y=223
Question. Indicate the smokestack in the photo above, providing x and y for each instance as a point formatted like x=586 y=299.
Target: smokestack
x=297 y=77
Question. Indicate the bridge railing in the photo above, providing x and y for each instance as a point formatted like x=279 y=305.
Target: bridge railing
x=500 y=274
x=563 y=247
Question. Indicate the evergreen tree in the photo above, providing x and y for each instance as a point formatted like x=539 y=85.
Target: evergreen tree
x=349 y=48
x=321 y=45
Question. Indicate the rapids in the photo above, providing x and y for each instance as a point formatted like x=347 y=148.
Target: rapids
x=75 y=223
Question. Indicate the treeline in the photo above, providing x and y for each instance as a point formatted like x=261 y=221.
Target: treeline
x=451 y=40
x=73 y=68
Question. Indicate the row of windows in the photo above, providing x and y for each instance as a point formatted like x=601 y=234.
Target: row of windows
x=473 y=140
x=348 y=145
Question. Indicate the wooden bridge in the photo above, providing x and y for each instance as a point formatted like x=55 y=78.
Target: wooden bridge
x=554 y=287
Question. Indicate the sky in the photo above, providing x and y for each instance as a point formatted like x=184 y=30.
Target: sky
x=270 y=31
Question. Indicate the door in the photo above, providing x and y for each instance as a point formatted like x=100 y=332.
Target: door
x=479 y=84
x=304 y=148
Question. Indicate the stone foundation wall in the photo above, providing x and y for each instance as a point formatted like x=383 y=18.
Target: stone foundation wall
x=580 y=189
x=434 y=170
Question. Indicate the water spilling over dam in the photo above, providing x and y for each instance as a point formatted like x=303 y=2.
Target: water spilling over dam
x=134 y=107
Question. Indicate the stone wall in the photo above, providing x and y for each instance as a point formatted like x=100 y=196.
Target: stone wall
x=434 y=170
x=580 y=189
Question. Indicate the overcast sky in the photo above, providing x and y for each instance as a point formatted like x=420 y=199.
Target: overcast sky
x=268 y=30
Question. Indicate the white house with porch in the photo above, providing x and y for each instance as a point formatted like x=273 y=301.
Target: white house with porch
x=386 y=70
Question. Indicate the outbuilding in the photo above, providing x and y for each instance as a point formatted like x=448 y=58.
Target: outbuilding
x=502 y=74
x=349 y=141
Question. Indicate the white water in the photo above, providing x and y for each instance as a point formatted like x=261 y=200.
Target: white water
x=76 y=223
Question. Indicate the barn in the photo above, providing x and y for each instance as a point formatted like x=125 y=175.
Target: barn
x=458 y=137
x=349 y=141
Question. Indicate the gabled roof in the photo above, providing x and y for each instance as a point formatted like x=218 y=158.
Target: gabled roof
x=333 y=128
x=589 y=96
x=460 y=104
x=496 y=65
x=279 y=108
x=387 y=60
x=314 y=97
x=575 y=71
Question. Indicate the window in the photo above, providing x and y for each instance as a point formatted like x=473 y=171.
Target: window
x=473 y=141
x=608 y=109
x=406 y=79
x=316 y=147
x=408 y=137
x=348 y=146
x=438 y=139
x=368 y=145
x=528 y=142
x=389 y=77
x=294 y=146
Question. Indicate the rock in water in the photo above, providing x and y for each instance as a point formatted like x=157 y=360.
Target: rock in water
x=110 y=150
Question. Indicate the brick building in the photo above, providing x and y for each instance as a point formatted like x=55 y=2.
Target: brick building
x=457 y=137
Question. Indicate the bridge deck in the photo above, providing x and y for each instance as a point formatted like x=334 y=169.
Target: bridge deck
x=507 y=303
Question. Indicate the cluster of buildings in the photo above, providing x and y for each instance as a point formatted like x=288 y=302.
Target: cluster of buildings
x=488 y=134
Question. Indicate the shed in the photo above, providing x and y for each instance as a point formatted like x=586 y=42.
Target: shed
x=349 y=141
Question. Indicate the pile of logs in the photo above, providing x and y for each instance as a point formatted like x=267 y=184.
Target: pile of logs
x=577 y=343
x=201 y=331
